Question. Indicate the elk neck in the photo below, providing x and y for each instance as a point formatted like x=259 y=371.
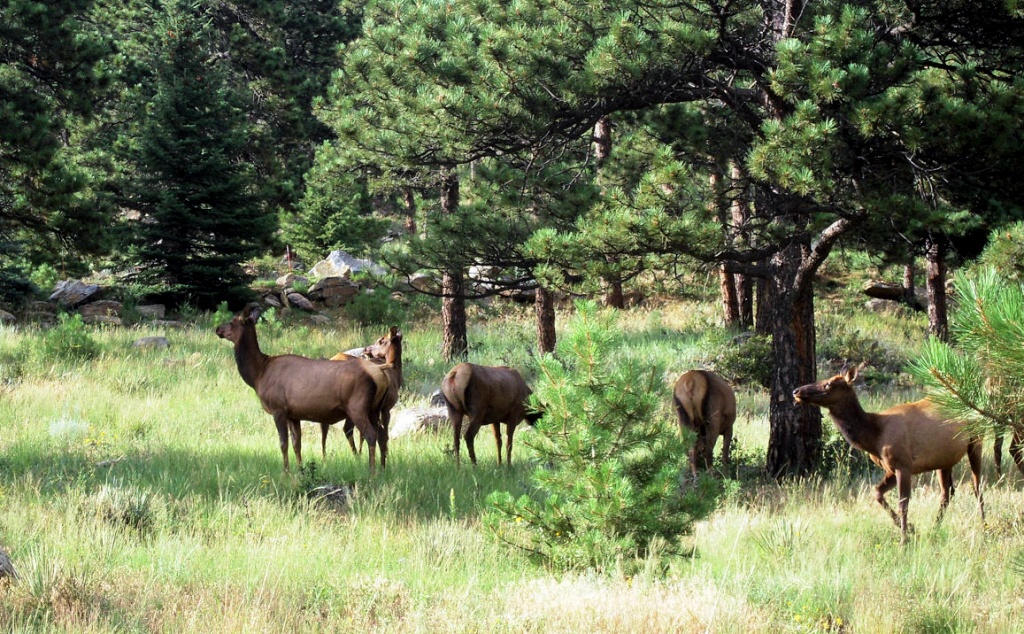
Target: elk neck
x=859 y=427
x=250 y=359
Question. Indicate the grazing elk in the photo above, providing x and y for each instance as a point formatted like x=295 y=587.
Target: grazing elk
x=293 y=388
x=487 y=395
x=387 y=351
x=1016 y=451
x=904 y=440
x=705 y=403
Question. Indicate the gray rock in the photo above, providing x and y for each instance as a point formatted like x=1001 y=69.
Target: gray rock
x=100 y=308
x=334 y=291
x=320 y=320
x=341 y=264
x=419 y=419
x=289 y=280
x=6 y=567
x=72 y=293
x=7 y=318
x=152 y=342
x=152 y=311
x=271 y=300
x=107 y=320
x=299 y=301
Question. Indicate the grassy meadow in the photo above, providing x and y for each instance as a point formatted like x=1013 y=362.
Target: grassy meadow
x=142 y=490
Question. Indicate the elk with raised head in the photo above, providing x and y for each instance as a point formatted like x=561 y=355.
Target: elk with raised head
x=706 y=404
x=386 y=351
x=904 y=440
x=293 y=388
x=488 y=395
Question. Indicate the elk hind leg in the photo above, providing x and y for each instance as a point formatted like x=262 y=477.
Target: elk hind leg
x=948 y=489
x=295 y=427
x=496 y=428
x=282 y=435
x=974 y=450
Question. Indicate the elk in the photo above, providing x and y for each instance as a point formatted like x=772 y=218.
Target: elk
x=293 y=388
x=387 y=351
x=487 y=395
x=904 y=440
x=1016 y=451
x=705 y=403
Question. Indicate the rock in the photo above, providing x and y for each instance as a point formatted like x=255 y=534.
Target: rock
x=289 y=280
x=320 y=320
x=271 y=300
x=7 y=318
x=299 y=301
x=109 y=320
x=152 y=311
x=167 y=323
x=437 y=399
x=6 y=567
x=341 y=264
x=338 y=497
x=334 y=291
x=419 y=419
x=882 y=305
x=423 y=282
x=71 y=293
x=41 y=311
x=152 y=342
x=101 y=308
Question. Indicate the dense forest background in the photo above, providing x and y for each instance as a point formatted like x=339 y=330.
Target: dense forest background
x=571 y=145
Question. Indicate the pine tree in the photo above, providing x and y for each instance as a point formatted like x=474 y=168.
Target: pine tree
x=609 y=485
x=199 y=218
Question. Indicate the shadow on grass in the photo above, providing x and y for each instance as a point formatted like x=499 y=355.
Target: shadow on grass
x=420 y=482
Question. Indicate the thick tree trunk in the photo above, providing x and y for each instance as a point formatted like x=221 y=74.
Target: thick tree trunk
x=909 y=288
x=935 y=282
x=795 y=438
x=602 y=145
x=453 y=303
x=730 y=298
x=612 y=283
x=545 y=308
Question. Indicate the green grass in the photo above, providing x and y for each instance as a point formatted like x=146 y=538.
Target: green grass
x=142 y=490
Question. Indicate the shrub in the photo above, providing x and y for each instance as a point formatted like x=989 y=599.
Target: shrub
x=69 y=340
x=747 y=360
x=375 y=308
x=608 y=488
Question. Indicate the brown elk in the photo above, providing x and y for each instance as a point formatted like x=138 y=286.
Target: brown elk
x=387 y=351
x=1016 y=451
x=293 y=388
x=904 y=440
x=487 y=395
x=705 y=403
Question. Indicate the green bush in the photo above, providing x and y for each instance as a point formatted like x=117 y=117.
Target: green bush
x=1005 y=252
x=853 y=347
x=747 y=360
x=69 y=340
x=610 y=486
x=375 y=308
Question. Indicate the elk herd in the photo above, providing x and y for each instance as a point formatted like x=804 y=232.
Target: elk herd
x=360 y=387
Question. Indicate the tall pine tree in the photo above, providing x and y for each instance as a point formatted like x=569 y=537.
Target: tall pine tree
x=198 y=216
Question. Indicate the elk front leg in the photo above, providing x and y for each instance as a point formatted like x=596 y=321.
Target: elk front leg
x=903 y=481
x=496 y=427
x=282 y=435
x=947 y=487
x=296 y=430
x=883 y=487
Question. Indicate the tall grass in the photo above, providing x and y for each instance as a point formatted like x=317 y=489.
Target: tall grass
x=142 y=490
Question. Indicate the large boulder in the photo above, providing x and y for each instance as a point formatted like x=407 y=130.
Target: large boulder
x=334 y=291
x=101 y=308
x=419 y=419
x=152 y=311
x=341 y=264
x=72 y=293
x=299 y=301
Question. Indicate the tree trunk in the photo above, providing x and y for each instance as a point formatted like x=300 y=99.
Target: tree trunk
x=935 y=281
x=795 y=438
x=545 y=308
x=740 y=212
x=727 y=280
x=909 y=289
x=602 y=145
x=730 y=298
x=410 y=211
x=453 y=303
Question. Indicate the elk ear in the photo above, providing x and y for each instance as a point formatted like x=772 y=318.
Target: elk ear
x=252 y=312
x=396 y=332
x=851 y=374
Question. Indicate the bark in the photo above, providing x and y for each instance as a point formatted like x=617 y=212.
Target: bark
x=602 y=139
x=795 y=438
x=410 y=211
x=455 y=344
x=545 y=308
x=727 y=280
x=935 y=282
x=740 y=213
x=909 y=290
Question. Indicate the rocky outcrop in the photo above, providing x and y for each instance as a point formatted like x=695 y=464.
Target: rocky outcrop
x=342 y=264
x=72 y=293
